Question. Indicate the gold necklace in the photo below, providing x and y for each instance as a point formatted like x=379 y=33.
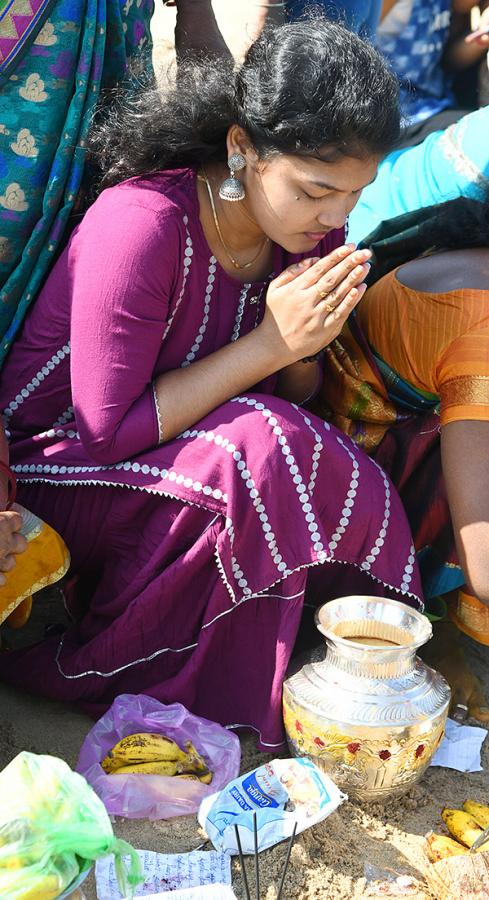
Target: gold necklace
x=229 y=255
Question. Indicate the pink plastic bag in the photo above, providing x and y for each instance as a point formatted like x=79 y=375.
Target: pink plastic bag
x=156 y=796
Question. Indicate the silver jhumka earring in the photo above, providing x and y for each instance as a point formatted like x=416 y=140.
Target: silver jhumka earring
x=231 y=188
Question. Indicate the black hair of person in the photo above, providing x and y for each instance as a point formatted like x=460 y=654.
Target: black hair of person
x=459 y=224
x=303 y=87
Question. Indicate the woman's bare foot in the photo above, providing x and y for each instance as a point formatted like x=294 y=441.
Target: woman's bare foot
x=445 y=653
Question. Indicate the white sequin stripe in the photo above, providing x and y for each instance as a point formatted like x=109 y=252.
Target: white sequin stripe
x=239 y=315
x=318 y=447
x=211 y=278
x=127 y=466
x=349 y=501
x=158 y=415
x=237 y=571
x=379 y=543
x=64 y=418
x=408 y=570
x=245 y=473
x=187 y=262
x=35 y=381
x=257 y=503
x=300 y=487
x=57 y=432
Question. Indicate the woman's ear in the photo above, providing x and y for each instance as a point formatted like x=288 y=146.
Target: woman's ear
x=238 y=141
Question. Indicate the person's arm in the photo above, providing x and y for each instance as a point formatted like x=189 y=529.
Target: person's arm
x=465 y=48
x=465 y=463
x=125 y=264
x=296 y=324
x=197 y=31
x=124 y=267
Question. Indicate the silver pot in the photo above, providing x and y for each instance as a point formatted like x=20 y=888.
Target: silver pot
x=370 y=713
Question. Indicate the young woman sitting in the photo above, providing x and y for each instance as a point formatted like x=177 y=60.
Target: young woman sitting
x=154 y=395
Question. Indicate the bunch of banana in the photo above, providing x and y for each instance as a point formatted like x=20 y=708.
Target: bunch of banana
x=155 y=754
x=465 y=825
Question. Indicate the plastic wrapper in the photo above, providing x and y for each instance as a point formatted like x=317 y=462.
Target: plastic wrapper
x=389 y=883
x=156 y=796
x=52 y=828
x=282 y=792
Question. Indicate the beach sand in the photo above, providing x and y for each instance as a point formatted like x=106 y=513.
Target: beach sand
x=327 y=861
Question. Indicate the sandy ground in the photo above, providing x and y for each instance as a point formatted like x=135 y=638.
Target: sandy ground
x=327 y=861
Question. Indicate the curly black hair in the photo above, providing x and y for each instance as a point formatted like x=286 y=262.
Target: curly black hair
x=303 y=86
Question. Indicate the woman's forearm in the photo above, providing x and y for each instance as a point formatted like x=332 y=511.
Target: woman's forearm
x=186 y=395
x=466 y=475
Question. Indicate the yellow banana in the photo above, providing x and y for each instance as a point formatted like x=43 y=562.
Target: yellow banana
x=206 y=778
x=189 y=777
x=463 y=827
x=46 y=887
x=440 y=847
x=158 y=767
x=138 y=748
x=193 y=762
x=479 y=812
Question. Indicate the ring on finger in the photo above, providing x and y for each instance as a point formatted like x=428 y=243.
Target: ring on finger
x=322 y=296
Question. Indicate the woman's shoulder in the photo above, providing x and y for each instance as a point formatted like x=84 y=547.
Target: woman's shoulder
x=156 y=200
x=450 y=271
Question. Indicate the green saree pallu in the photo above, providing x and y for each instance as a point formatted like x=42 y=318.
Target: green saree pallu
x=55 y=58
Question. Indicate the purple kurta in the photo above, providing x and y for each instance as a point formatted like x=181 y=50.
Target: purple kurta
x=194 y=580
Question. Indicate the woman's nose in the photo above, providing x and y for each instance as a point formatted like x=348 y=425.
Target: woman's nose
x=334 y=216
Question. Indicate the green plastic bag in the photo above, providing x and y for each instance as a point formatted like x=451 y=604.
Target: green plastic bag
x=53 y=827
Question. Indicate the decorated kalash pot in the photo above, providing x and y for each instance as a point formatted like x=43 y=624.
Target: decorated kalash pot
x=369 y=712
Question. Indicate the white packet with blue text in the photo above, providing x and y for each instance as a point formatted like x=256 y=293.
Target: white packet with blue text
x=282 y=792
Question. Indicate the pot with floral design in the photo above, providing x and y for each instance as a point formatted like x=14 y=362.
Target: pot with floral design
x=370 y=712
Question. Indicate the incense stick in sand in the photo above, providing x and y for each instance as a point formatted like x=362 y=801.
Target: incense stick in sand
x=241 y=859
x=257 y=873
x=284 y=870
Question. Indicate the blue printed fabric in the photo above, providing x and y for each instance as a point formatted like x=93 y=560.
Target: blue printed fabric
x=415 y=55
x=46 y=106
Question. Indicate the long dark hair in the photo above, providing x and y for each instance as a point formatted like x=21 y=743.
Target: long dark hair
x=457 y=224
x=302 y=86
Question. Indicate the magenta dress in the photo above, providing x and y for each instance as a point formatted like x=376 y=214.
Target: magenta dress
x=194 y=555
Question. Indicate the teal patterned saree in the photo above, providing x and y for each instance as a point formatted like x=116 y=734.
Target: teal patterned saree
x=55 y=57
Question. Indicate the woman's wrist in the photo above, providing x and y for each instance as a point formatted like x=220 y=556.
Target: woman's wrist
x=272 y=348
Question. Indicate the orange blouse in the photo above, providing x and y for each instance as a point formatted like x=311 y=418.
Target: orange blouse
x=438 y=343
